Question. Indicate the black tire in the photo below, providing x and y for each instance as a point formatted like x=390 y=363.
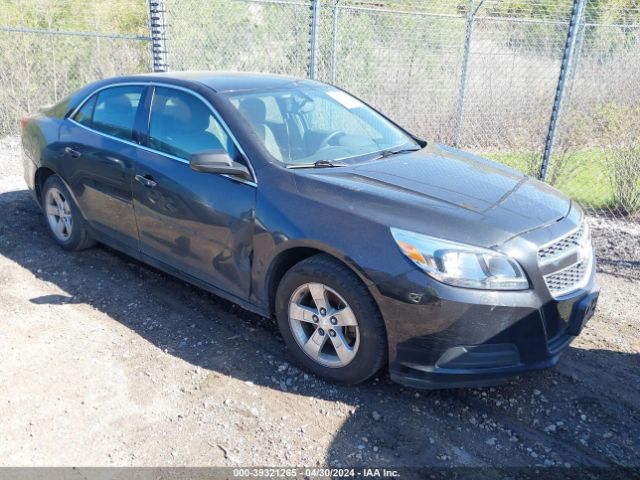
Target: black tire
x=78 y=237
x=371 y=354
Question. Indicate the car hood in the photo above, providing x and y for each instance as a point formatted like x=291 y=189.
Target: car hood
x=439 y=191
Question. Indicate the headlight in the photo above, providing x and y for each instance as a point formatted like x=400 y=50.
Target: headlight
x=459 y=264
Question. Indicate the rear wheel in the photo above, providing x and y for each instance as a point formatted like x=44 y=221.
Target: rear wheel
x=330 y=322
x=65 y=223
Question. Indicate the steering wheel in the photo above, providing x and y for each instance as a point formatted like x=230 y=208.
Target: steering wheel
x=327 y=139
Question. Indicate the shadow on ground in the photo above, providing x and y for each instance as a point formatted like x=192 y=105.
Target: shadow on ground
x=584 y=412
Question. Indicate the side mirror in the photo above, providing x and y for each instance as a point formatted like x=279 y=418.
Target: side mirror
x=217 y=161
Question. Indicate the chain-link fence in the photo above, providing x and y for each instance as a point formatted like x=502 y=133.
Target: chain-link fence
x=484 y=75
x=48 y=49
x=597 y=153
x=260 y=36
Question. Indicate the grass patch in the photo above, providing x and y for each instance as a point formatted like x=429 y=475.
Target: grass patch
x=582 y=175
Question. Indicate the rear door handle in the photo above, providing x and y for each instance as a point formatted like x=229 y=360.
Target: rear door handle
x=146 y=180
x=72 y=152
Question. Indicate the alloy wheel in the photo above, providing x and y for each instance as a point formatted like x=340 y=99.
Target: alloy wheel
x=324 y=325
x=58 y=213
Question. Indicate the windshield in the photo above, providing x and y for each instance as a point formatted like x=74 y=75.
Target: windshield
x=307 y=124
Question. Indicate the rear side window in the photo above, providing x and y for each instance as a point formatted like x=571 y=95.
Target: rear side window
x=114 y=111
x=181 y=125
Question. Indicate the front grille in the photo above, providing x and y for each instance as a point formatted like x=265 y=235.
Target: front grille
x=567 y=279
x=563 y=246
x=571 y=277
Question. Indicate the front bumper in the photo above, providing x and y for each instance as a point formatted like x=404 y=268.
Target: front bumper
x=443 y=337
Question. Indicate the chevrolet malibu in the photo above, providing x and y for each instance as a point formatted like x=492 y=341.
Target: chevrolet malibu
x=295 y=199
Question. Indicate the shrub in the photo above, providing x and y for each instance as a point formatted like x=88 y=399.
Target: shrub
x=620 y=131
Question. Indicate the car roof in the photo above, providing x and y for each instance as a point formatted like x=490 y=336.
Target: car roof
x=225 y=81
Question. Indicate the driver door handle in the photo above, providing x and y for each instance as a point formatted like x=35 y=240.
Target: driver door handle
x=146 y=180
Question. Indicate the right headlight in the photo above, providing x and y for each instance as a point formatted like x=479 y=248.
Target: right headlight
x=459 y=264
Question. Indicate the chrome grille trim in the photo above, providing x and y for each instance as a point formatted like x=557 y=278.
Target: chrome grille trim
x=565 y=245
x=576 y=275
x=568 y=279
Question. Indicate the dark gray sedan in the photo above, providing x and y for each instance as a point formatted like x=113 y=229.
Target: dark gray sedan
x=297 y=200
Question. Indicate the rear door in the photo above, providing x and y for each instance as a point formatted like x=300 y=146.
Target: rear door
x=99 y=146
x=198 y=223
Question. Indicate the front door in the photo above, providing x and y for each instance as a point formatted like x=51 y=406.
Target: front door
x=198 y=223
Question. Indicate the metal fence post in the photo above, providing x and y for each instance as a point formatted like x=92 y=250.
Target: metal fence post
x=158 y=27
x=464 y=74
x=314 y=31
x=334 y=38
x=565 y=67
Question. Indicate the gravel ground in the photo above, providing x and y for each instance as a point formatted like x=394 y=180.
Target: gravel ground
x=106 y=361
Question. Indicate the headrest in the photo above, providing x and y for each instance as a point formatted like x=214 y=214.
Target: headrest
x=118 y=102
x=254 y=109
x=192 y=116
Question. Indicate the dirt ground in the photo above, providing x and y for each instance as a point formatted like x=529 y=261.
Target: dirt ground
x=104 y=361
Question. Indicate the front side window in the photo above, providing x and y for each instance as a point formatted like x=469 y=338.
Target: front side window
x=305 y=123
x=115 y=109
x=181 y=125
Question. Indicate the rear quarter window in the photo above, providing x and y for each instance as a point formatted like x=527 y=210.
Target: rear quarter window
x=85 y=114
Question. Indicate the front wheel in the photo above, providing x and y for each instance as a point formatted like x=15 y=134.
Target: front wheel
x=330 y=322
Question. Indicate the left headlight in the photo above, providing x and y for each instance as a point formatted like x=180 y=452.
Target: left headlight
x=459 y=264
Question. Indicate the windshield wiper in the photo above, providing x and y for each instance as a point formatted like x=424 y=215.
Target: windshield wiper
x=318 y=164
x=395 y=151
